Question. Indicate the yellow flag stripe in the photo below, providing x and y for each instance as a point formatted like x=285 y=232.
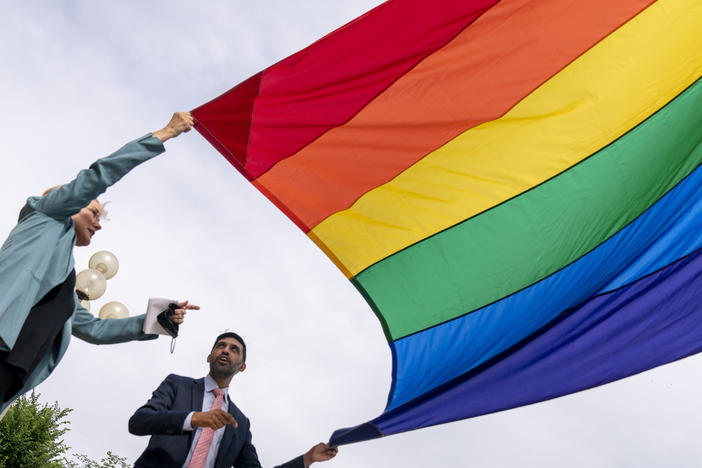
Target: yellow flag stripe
x=600 y=96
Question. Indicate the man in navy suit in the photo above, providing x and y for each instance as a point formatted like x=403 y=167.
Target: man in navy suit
x=193 y=424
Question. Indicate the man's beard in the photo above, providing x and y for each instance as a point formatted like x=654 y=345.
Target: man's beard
x=223 y=371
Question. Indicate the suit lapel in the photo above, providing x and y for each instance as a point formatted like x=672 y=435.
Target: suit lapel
x=228 y=438
x=197 y=393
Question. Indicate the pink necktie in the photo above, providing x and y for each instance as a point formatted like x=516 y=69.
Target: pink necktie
x=203 y=443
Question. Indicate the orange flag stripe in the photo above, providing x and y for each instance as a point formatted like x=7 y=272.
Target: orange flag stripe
x=475 y=78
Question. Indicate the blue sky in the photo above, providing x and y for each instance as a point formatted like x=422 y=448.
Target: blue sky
x=79 y=79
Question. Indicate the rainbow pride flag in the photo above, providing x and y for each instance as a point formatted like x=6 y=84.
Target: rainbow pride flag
x=514 y=187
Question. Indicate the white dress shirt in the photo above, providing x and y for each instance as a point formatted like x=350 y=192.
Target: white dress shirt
x=207 y=401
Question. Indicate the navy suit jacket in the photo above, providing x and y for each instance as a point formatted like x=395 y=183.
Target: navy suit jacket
x=162 y=418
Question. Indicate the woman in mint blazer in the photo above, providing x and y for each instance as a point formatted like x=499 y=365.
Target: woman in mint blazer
x=39 y=310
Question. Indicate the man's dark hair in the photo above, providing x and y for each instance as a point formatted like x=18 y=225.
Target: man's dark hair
x=236 y=337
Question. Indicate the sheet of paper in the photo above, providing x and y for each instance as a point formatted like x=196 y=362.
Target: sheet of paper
x=155 y=307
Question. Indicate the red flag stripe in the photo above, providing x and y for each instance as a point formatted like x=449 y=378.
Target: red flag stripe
x=324 y=85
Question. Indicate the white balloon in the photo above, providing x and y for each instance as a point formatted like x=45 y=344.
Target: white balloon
x=91 y=283
x=105 y=262
x=85 y=303
x=113 y=309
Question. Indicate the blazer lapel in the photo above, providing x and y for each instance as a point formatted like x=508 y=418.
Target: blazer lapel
x=228 y=438
x=197 y=393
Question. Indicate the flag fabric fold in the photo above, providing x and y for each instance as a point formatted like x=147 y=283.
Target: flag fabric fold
x=513 y=186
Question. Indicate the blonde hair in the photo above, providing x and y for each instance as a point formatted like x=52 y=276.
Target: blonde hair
x=102 y=210
x=50 y=189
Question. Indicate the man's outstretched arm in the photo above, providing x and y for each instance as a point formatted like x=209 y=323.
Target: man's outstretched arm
x=320 y=452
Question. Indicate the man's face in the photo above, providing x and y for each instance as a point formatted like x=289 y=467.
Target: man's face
x=226 y=358
x=87 y=223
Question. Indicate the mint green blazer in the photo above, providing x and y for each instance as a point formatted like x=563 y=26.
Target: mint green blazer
x=38 y=255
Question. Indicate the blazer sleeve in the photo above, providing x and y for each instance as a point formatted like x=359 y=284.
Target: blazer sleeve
x=156 y=416
x=87 y=327
x=294 y=463
x=247 y=457
x=69 y=198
